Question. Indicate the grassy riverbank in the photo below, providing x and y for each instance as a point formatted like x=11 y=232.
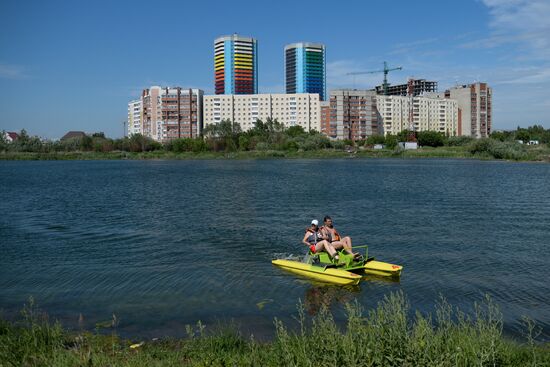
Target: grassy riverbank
x=538 y=154
x=385 y=336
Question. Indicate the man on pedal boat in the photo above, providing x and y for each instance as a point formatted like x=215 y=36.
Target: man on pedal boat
x=315 y=241
x=333 y=237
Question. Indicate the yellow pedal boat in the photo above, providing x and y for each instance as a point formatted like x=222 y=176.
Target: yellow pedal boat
x=346 y=272
x=322 y=273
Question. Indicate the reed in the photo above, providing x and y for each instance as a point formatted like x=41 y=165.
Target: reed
x=388 y=335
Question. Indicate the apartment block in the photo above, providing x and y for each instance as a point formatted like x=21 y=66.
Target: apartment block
x=235 y=65
x=171 y=112
x=430 y=112
x=301 y=109
x=305 y=68
x=416 y=87
x=353 y=114
x=327 y=128
x=475 y=109
x=134 y=117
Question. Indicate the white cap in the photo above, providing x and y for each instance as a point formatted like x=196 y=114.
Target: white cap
x=315 y=221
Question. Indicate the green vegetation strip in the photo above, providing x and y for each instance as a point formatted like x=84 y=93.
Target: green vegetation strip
x=384 y=336
x=271 y=139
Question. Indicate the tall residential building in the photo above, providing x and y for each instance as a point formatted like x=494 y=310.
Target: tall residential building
x=416 y=87
x=475 y=109
x=326 y=127
x=353 y=114
x=305 y=68
x=134 y=117
x=171 y=113
x=235 y=65
x=300 y=109
x=430 y=112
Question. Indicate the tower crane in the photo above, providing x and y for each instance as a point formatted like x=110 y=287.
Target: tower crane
x=386 y=70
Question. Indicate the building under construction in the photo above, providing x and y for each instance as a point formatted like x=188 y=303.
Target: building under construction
x=419 y=87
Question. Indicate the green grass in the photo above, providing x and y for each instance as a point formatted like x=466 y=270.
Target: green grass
x=384 y=336
x=480 y=149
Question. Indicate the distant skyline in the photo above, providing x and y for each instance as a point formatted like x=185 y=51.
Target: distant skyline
x=74 y=65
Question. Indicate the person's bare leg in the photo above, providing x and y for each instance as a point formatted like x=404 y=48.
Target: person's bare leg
x=347 y=246
x=343 y=244
x=330 y=249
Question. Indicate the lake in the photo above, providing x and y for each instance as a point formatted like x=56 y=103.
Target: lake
x=163 y=244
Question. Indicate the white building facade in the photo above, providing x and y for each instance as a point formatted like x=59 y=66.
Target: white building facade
x=425 y=113
x=301 y=109
x=134 y=117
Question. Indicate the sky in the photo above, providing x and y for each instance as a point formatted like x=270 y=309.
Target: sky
x=74 y=65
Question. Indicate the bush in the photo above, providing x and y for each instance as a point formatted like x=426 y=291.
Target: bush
x=459 y=141
x=430 y=138
x=338 y=144
x=244 y=142
x=295 y=131
x=290 y=145
x=262 y=146
x=391 y=141
x=498 y=149
x=376 y=139
x=315 y=142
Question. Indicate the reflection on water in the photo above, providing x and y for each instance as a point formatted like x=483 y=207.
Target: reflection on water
x=326 y=295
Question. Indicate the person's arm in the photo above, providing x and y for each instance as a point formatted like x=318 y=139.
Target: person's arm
x=304 y=241
x=323 y=232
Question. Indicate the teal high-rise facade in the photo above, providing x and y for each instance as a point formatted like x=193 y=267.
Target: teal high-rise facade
x=305 y=68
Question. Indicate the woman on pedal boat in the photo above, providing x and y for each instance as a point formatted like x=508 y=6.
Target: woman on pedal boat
x=314 y=239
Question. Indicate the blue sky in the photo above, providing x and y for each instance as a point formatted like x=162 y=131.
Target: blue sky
x=74 y=65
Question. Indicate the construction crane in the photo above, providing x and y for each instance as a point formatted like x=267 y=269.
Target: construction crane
x=385 y=71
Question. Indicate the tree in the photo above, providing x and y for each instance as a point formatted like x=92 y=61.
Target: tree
x=86 y=143
x=391 y=141
x=295 y=131
x=3 y=141
x=403 y=135
x=224 y=135
x=523 y=134
x=376 y=139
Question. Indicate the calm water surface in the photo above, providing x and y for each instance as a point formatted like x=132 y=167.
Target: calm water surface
x=163 y=244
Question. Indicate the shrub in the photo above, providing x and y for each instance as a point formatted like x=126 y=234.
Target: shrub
x=244 y=142
x=262 y=146
x=290 y=145
x=338 y=144
x=498 y=149
x=430 y=138
x=459 y=141
x=295 y=131
x=391 y=141
x=376 y=139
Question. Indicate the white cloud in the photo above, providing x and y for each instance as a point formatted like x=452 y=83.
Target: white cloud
x=522 y=22
x=403 y=48
x=12 y=72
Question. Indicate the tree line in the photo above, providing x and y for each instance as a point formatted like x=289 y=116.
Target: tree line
x=227 y=136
